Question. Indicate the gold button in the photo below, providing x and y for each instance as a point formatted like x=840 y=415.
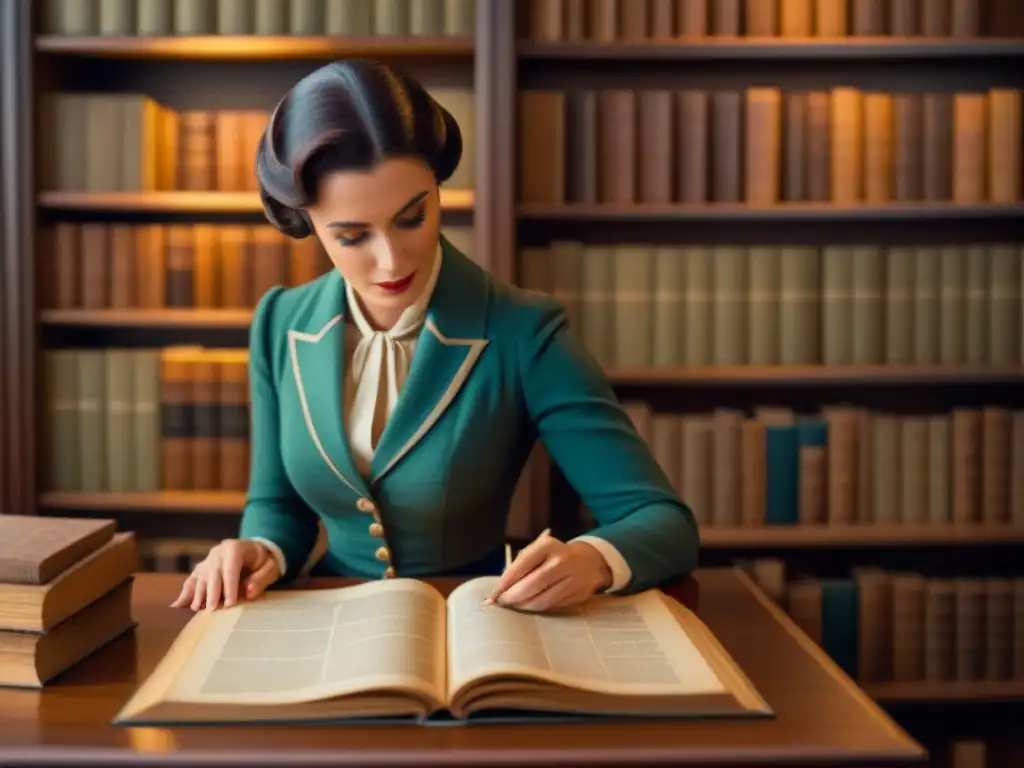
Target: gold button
x=376 y=529
x=383 y=554
x=389 y=572
x=365 y=505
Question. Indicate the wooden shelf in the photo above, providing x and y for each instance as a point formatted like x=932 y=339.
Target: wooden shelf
x=942 y=692
x=148 y=318
x=254 y=47
x=778 y=49
x=728 y=212
x=193 y=202
x=802 y=536
x=815 y=375
x=842 y=536
x=224 y=502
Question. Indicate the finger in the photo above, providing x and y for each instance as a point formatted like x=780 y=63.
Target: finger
x=261 y=579
x=253 y=554
x=535 y=582
x=199 y=594
x=185 y=595
x=561 y=593
x=527 y=559
x=230 y=573
x=214 y=587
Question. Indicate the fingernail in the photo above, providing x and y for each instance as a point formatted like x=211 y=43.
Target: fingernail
x=487 y=601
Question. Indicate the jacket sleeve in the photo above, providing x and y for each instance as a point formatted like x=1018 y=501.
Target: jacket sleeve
x=274 y=513
x=594 y=444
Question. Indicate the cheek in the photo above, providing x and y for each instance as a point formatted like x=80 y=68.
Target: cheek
x=417 y=245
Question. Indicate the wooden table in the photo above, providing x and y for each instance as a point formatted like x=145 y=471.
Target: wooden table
x=822 y=718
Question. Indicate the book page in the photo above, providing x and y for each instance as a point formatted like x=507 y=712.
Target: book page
x=291 y=647
x=630 y=645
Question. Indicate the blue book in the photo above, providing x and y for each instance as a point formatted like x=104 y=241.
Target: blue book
x=840 y=623
x=782 y=474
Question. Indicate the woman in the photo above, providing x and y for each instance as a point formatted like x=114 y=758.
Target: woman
x=395 y=399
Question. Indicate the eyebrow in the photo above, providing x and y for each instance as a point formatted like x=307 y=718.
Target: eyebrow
x=355 y=224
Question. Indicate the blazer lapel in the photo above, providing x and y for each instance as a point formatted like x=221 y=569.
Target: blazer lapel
x=447 y=349
x=318 y=365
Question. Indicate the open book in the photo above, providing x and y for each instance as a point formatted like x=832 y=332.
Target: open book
x=398 y=649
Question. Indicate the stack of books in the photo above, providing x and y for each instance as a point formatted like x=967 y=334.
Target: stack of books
x=65 y=592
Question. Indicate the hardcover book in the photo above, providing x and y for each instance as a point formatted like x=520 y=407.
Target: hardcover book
x=398 y=650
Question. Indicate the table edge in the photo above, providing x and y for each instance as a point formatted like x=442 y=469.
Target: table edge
x=805 y=756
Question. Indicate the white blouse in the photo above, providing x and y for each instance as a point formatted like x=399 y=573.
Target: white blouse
x=376 y=369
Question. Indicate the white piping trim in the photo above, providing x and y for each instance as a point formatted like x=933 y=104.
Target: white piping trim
x=296 y=336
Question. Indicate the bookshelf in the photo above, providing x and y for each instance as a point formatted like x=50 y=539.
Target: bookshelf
x=755 y=49
x=251 y=48
x=519 y=48
x=191 y=202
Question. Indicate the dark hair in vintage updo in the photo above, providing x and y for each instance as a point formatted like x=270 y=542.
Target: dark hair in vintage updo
x=347 y=115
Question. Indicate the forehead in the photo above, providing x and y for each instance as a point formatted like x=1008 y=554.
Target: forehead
x=373 y=195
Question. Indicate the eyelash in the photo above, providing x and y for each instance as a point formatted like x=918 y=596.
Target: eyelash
x=414 y=223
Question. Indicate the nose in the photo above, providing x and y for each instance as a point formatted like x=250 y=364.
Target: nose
x=385 y=254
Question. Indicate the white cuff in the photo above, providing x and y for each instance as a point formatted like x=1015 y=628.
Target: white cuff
x=621 y=572
x=275 y=553
x=319 y=550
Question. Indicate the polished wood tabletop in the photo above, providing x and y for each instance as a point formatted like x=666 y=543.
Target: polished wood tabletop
x=822 y=718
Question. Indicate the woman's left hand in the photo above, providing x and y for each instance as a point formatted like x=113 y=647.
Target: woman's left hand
x=552 y=574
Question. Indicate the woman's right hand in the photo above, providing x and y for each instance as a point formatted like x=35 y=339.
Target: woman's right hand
x=219 y=576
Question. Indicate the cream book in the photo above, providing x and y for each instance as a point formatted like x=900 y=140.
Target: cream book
x=398 y=649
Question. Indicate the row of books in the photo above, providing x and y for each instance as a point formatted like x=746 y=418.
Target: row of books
x=642 y=305
x=143 y=420
x=204 y=266
x=913 y=628
x=764 y=146
x=261 y=17
x=177 y=419
x=65 y=592
x=130 y=142
x=896 y=626
x=149 y=266
x=627 y=20
x=844 y=465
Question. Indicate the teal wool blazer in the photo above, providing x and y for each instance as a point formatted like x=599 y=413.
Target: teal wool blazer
x=495 y=368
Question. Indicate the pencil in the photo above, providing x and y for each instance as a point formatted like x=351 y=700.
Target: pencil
x=508 y=557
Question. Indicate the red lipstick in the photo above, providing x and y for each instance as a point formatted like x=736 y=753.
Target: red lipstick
x=396 y=287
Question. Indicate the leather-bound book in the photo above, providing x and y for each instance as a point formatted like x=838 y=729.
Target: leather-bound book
x=725 y=18
x=868 y=17
x=581 y=147
x=541 y=147
x=970 y=629
x=36 y=550
x=617 y=146
x=761 y=18
x=939 y=629
x=908 y=627
x=937 y=149
x=655 y=146
x=691 y=18
x=752 y=472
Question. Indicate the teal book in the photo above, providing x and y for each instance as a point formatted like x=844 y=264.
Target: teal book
x=812 y=433
x=840 y=623
x=782 y=474
x=401 y=651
